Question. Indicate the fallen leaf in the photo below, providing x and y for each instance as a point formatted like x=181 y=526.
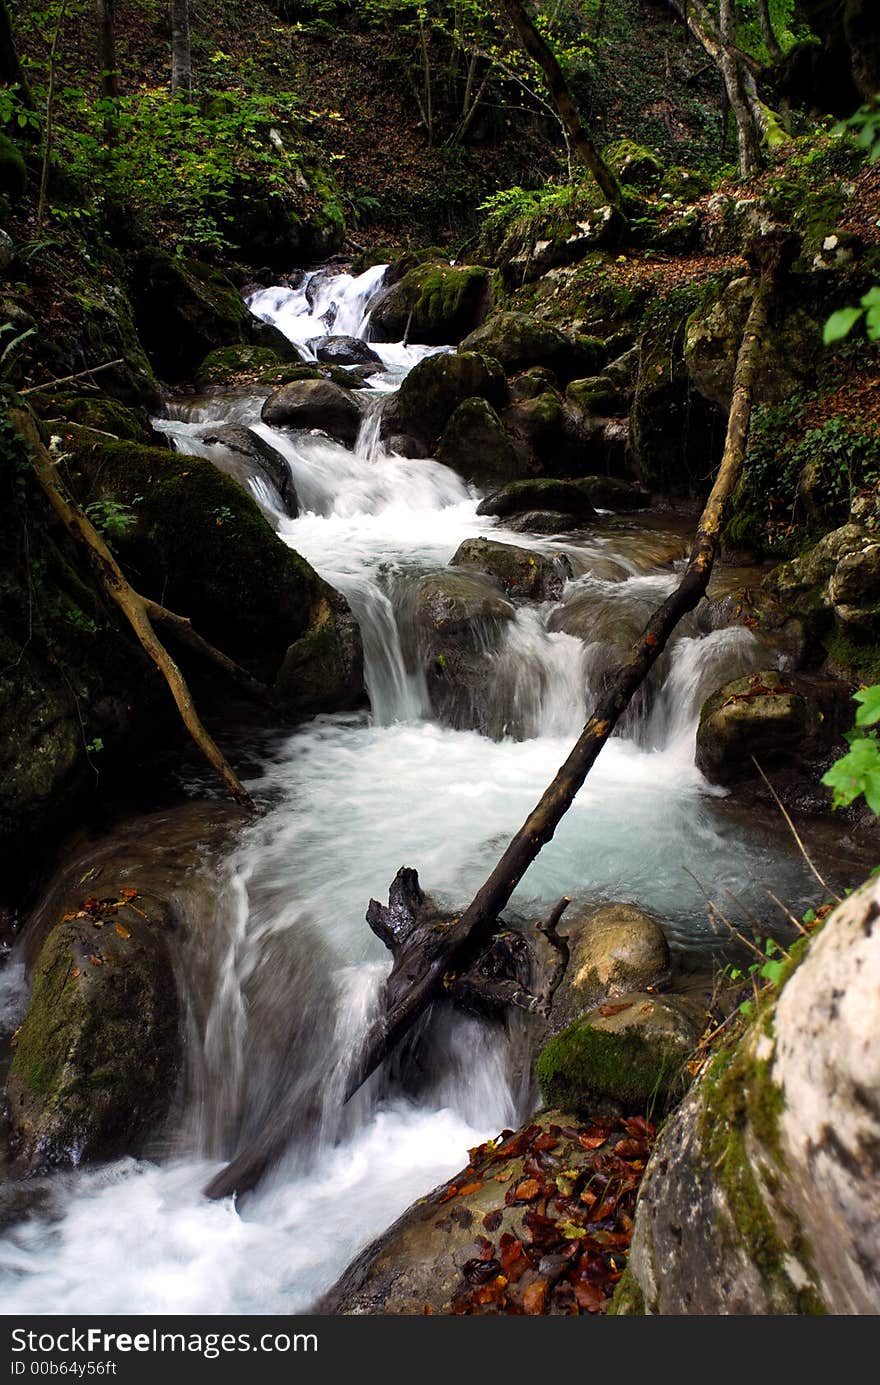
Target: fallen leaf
x=589 y=1297
x=527 y=1191
x=123 y=931
x=592 y=1141
x=96 y=959
x=607 y=1010
x=470 y=1188
x=536 y=1296
x=128 y=893
x=493 y=1220
x=481 y=1271
x=76 y=972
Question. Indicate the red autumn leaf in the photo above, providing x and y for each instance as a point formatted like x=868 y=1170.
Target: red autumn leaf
x=608 y=1010
x=546 y=1141
x=493 y=1219
x=128 y=893
x=513 y=1257
x=590 y=1297
x=526 y=1191
x=451 y=1191
x=486 y=1248
x=96 y=959
x=493 y=1292
x=592 y=1141
x=91 y=905
x=536 y=1297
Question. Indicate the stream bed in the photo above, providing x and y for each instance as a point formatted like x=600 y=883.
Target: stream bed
x=289 y=981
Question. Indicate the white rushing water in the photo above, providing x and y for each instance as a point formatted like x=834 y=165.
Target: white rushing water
x=293 y=973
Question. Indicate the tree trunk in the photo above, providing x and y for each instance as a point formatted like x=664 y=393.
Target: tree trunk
x=771 y=42
x=181 y=49
x=537 y=48
x=11 y=71
x=428 y=953
x=135 y=608
x=742 y=96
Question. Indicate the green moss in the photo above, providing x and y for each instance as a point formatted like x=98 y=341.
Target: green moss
x=201 y=545
x=584 y=1066
x=634 y=164
x=628 y=1300
x=741 y=1109
x=13 y=173
x=862 y=661
x=101 y=413
x=236 y=364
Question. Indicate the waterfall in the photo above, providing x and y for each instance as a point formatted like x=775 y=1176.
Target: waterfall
x=284 y=979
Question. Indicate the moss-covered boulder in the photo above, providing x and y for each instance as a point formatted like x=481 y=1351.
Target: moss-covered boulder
x=13 y=173
x=200 y=545
x=634 y=164
x=230 y=367
x=519 y=341
x=614 y=949
x=712 y=339
x=100 y=412
x=433 y=390
x=324 y=668
x=522 y=573
x=248 y=458
x=597 y=395
x=683 y=184
x=476 y=444
x=625 y=1056
x=96 y=1057
x=302 y=222
x=183 y=310
x=777 y=719
x=320 y=404
x=761 y=1194
x=542 y=493
x=434 y=304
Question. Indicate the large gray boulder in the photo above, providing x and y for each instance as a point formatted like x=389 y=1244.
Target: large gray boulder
x=522 y=572
x=318 y=404
x=763 y=1193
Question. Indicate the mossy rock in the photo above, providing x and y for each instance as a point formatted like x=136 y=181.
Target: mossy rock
x=13 y=173
x=597 y=396
x=101 y=413
x=307 y=404
x=185 y=309
x=631 y=1058
x=231 y=366
x=522 y=573
x=769 y=717
x=476 y=445
x=433 y=390
x=324 y=669
x=635 y=165
x=96 y=1057
x=684 y=184
x=434 y=304
x=201 y=546
x=540 y=493
x=519 y=341
x=300 y=225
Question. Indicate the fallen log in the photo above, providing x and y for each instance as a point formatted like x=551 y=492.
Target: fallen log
x=434 y=953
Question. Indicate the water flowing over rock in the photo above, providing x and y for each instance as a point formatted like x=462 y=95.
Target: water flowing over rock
x=762 y=1194
x=521 y=572
x=247 y=458
x=433 y=305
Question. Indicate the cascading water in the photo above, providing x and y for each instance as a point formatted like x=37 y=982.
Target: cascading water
x=286 y=978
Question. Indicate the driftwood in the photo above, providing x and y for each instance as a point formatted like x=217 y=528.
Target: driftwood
x=437 y=957
x=140 y=612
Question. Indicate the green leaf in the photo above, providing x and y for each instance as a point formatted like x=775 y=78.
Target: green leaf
x=772 y=971
x=840 y=324
x=869 y=710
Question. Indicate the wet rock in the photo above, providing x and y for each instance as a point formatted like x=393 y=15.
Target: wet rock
x=476 y=445
x=615 y=949
x=563 y=497
x=782 y=633
x=345 y=351
x=519 y=342
x=243 y=455
x=430 y=1261
x=597 y=396
x=183 y=310
x=458 y=619
x=96 y=1059
x=545 y=431
x=548 y=522
x=854 y=590
x=402 y=445
x=626 y=1055
x=762 y=1194
x=324 y=669
x=675 y=434
x=433 y=304
x=433 y=390
x=775 y=718
x=521 y=572
x=315 y=404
